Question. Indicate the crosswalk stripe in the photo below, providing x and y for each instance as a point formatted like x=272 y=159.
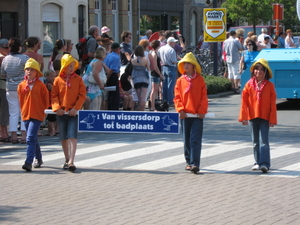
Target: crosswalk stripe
x=128 y=154
x=179 y=159
x=86 y=150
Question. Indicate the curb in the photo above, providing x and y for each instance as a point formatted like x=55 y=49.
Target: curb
x=222 y=94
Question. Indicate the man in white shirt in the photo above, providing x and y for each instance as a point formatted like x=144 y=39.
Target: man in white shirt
x=261 y=37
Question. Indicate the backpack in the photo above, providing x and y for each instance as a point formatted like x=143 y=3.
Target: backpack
x=81 y=47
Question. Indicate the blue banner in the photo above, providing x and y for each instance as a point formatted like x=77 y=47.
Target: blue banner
x=128 y=121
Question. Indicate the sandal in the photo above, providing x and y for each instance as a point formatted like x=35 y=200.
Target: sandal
x=5 y=139
x=66 y=166
x=14 y=141
x=195 y=169
x=72 y=167
x=188 y=167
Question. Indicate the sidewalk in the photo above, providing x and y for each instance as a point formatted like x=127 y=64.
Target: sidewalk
x=103 y=196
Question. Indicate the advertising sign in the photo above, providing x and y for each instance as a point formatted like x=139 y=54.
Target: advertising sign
x=128 y=122
x=214 y=24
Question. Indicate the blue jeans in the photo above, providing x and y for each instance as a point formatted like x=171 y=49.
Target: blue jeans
x=260 y=138
x=32 y=127
x=169 y=73
x=192 y=129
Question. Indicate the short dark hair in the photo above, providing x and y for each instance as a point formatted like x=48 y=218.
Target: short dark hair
x=31 y=42
x=232 y=33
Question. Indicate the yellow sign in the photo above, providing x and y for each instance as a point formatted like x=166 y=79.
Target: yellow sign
x=214 y=24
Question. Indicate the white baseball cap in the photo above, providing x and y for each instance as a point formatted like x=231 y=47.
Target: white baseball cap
x=171 y=39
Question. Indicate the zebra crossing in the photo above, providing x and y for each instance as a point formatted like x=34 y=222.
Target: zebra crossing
x=161 y=154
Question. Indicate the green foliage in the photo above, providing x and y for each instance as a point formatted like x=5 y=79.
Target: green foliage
x=252 y=11
x=217 y=84
x=290 y=14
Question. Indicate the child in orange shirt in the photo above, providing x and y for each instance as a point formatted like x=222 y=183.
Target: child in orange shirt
x=68 y=95
x=34 y=99
x=191 y=97
x=259 y=110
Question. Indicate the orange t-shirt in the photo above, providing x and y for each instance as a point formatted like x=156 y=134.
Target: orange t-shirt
x=195 y=100
x=33 y=102
x=67 y=98
x=251 y=108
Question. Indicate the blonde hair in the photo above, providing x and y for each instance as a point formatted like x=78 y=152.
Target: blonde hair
x=100 y=53
x=240 y=31
x=254 y=38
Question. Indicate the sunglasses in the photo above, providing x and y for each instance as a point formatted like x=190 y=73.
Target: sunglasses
x=249 y=44
x=5 y=47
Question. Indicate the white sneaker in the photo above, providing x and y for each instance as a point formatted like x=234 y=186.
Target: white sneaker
x=255 y=167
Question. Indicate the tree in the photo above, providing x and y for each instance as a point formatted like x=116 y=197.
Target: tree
x=254 y=12
x=291 y=19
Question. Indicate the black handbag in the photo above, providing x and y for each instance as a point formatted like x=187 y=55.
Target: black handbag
x=128 y=68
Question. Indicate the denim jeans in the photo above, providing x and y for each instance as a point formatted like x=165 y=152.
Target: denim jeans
x=33 y=148
x=169 y=73
x=260 y=138
x=192 y=129
x=68 y=126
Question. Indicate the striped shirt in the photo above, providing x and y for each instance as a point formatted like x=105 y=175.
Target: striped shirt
x=167 y=55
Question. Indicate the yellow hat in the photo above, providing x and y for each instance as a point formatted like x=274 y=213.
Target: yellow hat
x=66 y=60
x=265 y=64
x=31 y=63
x=189 y=57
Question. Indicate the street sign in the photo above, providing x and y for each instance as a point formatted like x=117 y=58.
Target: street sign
x=214 y=24
x=128 y=122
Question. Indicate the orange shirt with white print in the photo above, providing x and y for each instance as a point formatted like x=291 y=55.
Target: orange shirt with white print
x=67 y=98
x=193 y=101
x=251 y=108
x=34 y=101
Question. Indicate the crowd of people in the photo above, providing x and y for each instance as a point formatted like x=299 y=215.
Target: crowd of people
x=239 y=52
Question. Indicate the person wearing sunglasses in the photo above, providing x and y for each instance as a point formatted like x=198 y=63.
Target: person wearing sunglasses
x=248 y=55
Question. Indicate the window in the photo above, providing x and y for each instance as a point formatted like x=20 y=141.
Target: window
x=8 y=24
x=98 y=18
x=129 y=15
x=113 y=4
x=51 y=27
x=115 y=20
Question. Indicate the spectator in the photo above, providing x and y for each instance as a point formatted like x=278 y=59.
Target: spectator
x=140 y=76
x=289 y=42
x=34 y=99
x=112 y=61
x=248 y=55
x=281 y=40
x=232 y=48
x=12 y=69
x=126 y=51
x=4 y=114
x=91 y=44
x=128 y=103
x=156 y=75
x=147 y=35
x=32 y=45
x=168 y=58
x=58 y=51
x=261 y=38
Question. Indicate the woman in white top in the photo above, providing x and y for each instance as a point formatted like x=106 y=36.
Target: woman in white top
x=289 y=42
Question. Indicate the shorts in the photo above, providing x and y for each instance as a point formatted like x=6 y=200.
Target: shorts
x=67 y=126
x=233 y=70
x=140 y=85
x=155 y=80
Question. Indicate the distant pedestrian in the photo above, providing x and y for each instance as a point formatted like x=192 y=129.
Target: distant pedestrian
x=191 y=97
x=289 y=41
x=259 y=110
x=68 y=95
x=34 y=99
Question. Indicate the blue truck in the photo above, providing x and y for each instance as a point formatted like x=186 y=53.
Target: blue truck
x=285 y=65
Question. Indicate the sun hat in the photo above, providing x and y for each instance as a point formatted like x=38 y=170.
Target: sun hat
x=66 y=60
x=171 y=39
x=104 y=29
x=189 y=57
x=265 y=64
x=31 y=63
x=103 y=41
x=3 y=43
